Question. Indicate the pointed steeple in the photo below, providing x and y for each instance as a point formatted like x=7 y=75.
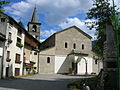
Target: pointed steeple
x=34 y=16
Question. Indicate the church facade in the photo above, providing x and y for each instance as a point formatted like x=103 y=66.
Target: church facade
x=68 y=52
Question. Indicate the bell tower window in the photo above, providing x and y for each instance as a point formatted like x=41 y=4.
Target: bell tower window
x=34 y=28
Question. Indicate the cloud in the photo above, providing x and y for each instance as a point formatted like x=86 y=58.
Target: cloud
x=47 y=33
x=77 y=22
x=55 y=11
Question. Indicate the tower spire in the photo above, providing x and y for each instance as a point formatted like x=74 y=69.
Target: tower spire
x=34 y=25
x=34 y=16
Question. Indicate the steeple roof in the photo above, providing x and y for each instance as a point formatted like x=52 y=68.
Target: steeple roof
x=34 y=16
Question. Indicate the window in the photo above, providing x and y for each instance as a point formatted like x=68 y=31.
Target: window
x=9 y=36
x=18 y=43
x=35 y=53
x=74 y=46
x=17 y=58
x=82 y=46
x=18 y=40
x=2 y=19
x=8 y=54
x=95 y=61
x=36 y=36
x=34 y=28
x=11 y=23
x=48 y=59
x=17 y=71
x=24 y=59
x=19 y=32
x=66 y=45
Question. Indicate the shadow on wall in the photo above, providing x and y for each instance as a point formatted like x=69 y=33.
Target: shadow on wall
x=65 y=66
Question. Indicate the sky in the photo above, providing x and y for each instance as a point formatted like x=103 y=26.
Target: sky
x=54 y=15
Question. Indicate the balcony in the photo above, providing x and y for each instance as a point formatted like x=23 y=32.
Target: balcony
x=8 y=60
x=19 y=62
x=19 y=44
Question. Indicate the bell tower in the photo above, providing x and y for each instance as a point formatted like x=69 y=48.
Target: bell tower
x=34 y=26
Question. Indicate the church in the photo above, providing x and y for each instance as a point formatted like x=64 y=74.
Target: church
x=68 y=51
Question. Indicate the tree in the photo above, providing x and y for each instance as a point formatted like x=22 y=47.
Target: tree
x=3 y=3
x=103 y=13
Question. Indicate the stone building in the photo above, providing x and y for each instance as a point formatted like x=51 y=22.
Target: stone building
x=68 y=51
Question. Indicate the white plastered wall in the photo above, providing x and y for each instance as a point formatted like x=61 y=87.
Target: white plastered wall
x=82 y=66
x=62 y=64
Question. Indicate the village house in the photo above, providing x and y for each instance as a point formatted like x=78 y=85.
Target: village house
x=12 y=63
x=68 y=52
x=21 y=47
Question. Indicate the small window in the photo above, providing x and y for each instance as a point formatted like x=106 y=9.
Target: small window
x=19 y=33
x=8 y=54
x=66 y=45
x=18 y=40
x=95 y=61
x=74 y=46
x=48 y=59
x=11 y=23
x=17 y=58
x=35 y=53
x=82 y=46
x=34 y=28
x=9 y=36
x=2 y=19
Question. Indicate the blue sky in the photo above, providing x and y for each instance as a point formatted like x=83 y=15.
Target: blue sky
x=54 y=15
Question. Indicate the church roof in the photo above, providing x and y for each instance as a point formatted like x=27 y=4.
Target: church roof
x=76 y=29
x=54 y=35
x=34 y=16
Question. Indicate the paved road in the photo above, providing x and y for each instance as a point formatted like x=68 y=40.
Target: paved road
x=39 y=82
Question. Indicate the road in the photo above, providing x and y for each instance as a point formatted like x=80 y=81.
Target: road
x=39 y=82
